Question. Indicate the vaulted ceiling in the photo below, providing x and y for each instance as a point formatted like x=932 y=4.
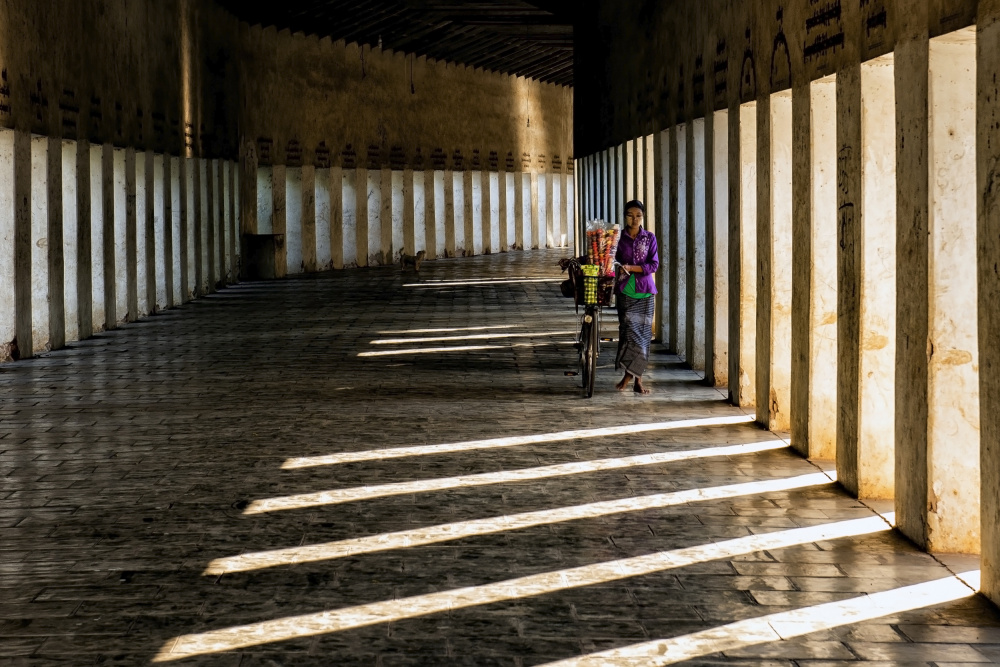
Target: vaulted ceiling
x=532 y=39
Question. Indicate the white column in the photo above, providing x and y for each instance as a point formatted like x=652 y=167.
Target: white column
x=118 y=225
x=678 y=245
x=450 y=224
x=774 y=249
x=161 y=217
x=418 y=207
x=408 y=243
x=718 y=299
x=70 y=243
x=324 y=252
x=473 y=212
x=97 y=236
x=432 y=211
x=743 y=257
x=293 y=219
x=39 y=244
x=696 y=247
x=821 y=274
x=355 y=218
x=396 y=218
x=309 y=240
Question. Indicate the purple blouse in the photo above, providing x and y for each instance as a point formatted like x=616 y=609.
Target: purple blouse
x=642 y=251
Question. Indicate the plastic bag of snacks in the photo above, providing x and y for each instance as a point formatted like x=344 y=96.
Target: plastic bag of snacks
x=602 y=244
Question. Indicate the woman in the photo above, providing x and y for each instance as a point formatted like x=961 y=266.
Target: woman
x=639 y=257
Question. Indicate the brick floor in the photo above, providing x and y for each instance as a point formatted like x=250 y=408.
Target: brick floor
x=136 y=466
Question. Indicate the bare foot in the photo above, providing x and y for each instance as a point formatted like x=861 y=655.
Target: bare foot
x=638 y=388
x=624 y=383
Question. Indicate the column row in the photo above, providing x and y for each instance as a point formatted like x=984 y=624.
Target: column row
x=92 y=236
x=821 y=259
x=336 y=217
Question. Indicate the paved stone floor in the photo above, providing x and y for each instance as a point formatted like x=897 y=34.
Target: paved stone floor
x=360 y=468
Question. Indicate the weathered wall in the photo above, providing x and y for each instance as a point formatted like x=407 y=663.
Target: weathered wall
x=312 y=101
x=147 y=75
x=651 y=63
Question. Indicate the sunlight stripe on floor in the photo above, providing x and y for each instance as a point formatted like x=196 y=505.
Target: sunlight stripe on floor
x=338 y=620
x=454 y=531
x=354 y=494
x=781 y=626
x=510 y=441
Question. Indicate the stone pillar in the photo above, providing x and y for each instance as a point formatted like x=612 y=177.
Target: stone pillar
x=503 y=211
x=386 y=250
x=235 y=220
x=142 y=305
x=617 y=214
x=373 y=198
x=161 y=198
x=431 y=214
x=677 y=266
x=418 y=208
x=309 y=255
x=639 y=166
x=361 y=196
x=397 y=215
x=8 y=251
x=472 y=212
x=187 y=214
x=293 y=219
x=69 y=185
x=695 y=246
x=535 y=232
x=350 y=218
x=149 y=221
x=279 y=218
x=937 y=385
x=449 y=214
x=197 y=225
x=866 y=278
x=97 y=235
x=337 y=178
x=629 y=150
x=20 y=154
x=553 y=202
x=988 y=256
x=569 y=195
x=813 y=399
x=39 y=212
x=486 y=220
x=717 y=244
x=55 y=263
x=120 y=201
x=108 y=234
x=774 y=251
x=743 y=254
x=131 y=239
x=661 y=180
x=84 y=251
x=177 y=241
x=218 y=238
x=409 y=214
x=324 y=252
x=210 y=206
x=649 y=196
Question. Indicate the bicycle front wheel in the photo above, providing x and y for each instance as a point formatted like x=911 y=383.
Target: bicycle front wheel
x=592 y=352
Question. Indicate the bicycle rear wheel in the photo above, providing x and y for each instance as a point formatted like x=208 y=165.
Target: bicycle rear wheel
x=584 y=343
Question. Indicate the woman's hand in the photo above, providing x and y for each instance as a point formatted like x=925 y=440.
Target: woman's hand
x=633 y=268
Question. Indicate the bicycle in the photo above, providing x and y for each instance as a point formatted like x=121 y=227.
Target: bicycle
x=588 y=342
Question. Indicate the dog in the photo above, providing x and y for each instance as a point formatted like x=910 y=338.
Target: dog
x=411 y=260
